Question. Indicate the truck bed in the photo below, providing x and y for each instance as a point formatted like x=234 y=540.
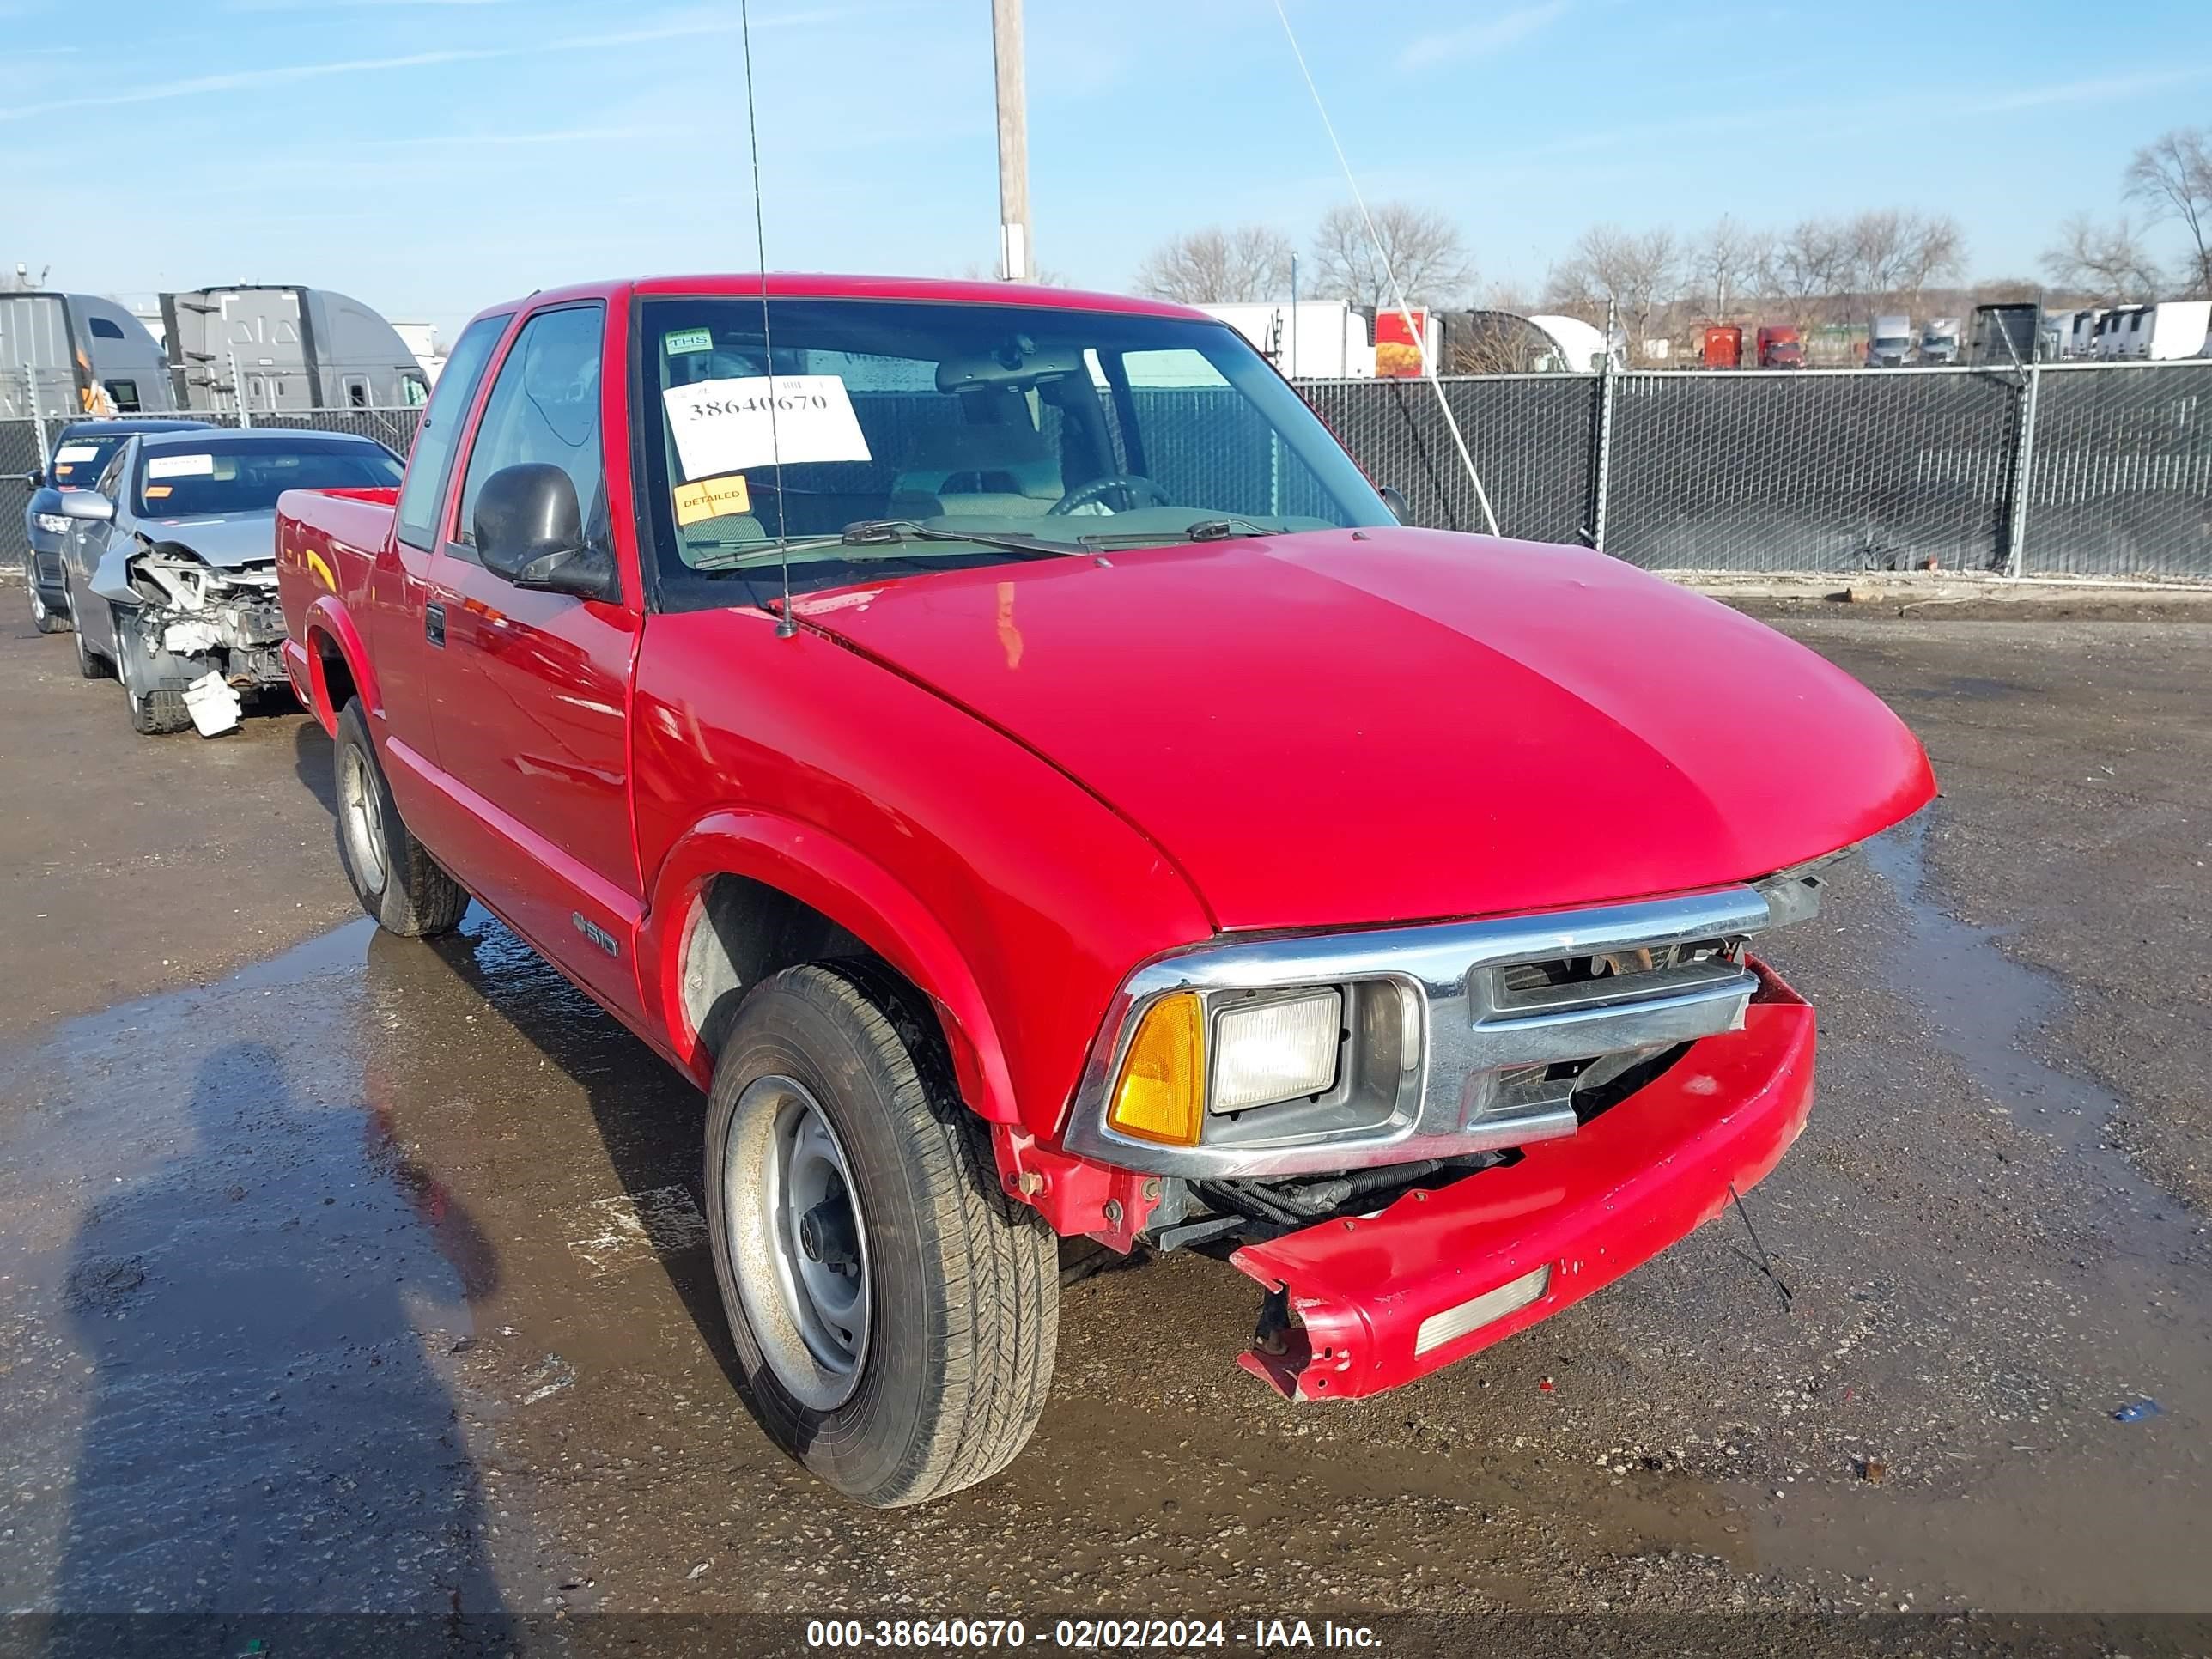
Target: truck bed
x=326 y=542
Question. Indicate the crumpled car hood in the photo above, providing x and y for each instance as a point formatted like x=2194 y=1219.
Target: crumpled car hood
x=231 y=539
x=1338 y=728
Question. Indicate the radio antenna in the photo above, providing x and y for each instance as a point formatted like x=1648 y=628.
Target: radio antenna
x=1390 y=275
x=786 y=624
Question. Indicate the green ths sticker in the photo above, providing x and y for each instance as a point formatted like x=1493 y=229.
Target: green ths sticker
x=686 y=340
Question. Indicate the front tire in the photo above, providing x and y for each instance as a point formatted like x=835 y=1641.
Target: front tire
x=157 y=714
x=90 y=664
x=398 y=884
x=44 y=617
x=154 y=712
x=896 y=1314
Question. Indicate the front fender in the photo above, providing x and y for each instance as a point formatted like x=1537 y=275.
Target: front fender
x=110 y=580
x=853 y=891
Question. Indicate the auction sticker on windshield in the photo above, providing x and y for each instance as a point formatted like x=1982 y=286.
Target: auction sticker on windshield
x=729 y=426
x=75 y=453
x=712 y=498
x=180 y=466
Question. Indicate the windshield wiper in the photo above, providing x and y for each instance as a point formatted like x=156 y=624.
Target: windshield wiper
x=754 y=551
x=1205 y=530
x=877 y=533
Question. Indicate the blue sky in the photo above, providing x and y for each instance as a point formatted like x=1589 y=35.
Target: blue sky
x=431 y=156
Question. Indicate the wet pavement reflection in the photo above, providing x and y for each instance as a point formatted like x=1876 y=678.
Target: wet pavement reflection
x=221 y=1271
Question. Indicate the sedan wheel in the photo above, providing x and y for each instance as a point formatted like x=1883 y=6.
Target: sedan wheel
x=44 y=617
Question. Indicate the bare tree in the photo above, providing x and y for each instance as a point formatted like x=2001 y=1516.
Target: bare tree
x=1803 y=267
x=1421 y=246
x=1216 y=266
x=2171 y=176
x=2105 y=263
x=1636 y=273
x=1724 y=264
x=1891 y=254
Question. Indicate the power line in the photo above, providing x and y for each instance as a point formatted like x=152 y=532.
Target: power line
x=1390 y=274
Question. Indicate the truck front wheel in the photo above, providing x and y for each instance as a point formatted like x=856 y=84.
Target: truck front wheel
x=895 y=1313
x=398 y=884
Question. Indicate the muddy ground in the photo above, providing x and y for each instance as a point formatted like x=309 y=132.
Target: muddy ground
x=342 y=1272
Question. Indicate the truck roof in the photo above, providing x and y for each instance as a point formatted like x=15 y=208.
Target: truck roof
x=804 y=285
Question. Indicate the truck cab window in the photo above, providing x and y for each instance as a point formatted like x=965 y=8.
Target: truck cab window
x=544 y=406
x=442 y=431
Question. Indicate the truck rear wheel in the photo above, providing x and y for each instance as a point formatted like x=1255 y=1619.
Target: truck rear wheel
x=398 y=884
x=896 y=1314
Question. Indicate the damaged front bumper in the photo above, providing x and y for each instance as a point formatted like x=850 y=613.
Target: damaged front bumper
x=1379 y=1300
x=216 y=631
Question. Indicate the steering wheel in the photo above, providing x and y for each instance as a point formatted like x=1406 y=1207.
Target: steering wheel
x=1131 y=484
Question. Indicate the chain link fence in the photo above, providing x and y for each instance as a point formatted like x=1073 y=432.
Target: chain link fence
x=1533 y=437
x=2089 y=469
x=2118 y=471
x=25 y=444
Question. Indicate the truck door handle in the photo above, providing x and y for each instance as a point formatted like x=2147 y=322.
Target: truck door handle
x=433 y=623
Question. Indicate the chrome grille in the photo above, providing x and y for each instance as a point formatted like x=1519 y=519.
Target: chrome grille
x=1512 y=1016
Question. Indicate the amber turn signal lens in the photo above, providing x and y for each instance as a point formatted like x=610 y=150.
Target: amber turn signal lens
x=1161 y=1093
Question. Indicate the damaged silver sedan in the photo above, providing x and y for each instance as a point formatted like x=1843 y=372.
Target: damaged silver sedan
x=171 y=564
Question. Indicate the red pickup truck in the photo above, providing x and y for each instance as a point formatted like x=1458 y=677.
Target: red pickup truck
x=996 y=742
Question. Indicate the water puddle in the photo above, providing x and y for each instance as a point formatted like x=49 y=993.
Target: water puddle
x=1985 y=1009
x=2087 y=1512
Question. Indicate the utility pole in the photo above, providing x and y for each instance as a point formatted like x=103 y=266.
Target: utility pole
x=1014 y=250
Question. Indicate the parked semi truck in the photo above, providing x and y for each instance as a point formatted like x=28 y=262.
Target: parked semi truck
x=1889 y=342
x=1781 y=348
x=278 y=347
x=831 y=722
x=1939 y=340
x=1721 y=346
x=2162 y=333
x=64 y=356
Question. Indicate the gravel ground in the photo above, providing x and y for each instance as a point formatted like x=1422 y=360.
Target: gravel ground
x=338 y=1273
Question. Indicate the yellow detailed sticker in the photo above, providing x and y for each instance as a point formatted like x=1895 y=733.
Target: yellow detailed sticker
x=154 y=492
x=712 y=498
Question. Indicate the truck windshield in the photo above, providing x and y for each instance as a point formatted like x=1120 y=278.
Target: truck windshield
x=248 y=475
x=962 y=434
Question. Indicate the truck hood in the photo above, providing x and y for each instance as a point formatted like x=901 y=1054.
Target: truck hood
x=1339 y=728
x=228 y=539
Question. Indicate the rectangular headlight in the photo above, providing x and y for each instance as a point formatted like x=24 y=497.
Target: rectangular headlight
x=53 y=524
x=1279 y=1049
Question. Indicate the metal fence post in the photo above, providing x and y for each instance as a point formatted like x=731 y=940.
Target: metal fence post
x=238 y=392
x=2023 y=475
x=1601 y=485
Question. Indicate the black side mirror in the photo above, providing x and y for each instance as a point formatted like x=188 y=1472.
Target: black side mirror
x=1394 y=499
x=529 y=530
x=35 y=479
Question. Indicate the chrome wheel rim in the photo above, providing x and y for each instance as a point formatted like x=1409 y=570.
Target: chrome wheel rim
x=798 y=1241
x=362 y=814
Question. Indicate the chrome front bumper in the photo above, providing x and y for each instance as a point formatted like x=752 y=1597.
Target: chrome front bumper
x=1446 y=1049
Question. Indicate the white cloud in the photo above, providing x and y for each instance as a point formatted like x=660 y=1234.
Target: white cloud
x=687 y=26
x=1483 y=39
